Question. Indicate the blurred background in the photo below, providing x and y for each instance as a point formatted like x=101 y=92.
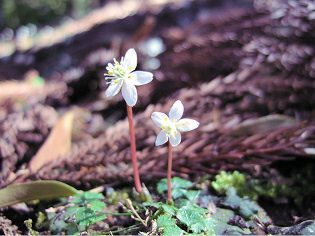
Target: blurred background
x=24 y=21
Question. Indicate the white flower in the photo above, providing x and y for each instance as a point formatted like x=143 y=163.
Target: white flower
x=172 y=125
x=122 y=76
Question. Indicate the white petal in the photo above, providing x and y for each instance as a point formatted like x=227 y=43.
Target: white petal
x=141 y=77
x=130 y=60
x=113 y=88
x=161 y=138
x=129 y=93
x=176 y=111
x=159 y=118
x=175 y=139
x=187 y=124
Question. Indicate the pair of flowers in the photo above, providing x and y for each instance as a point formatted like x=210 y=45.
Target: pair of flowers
x=121 y=76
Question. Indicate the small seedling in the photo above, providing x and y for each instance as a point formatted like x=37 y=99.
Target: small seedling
x=171 y=126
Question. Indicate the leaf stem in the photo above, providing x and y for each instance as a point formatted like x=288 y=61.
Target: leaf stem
x=169 y=173
x=133 y=151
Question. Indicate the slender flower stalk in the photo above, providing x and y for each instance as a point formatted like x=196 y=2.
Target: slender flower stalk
x=133 y=151
x=121 y=76
x=171 y=126
x=169 y=173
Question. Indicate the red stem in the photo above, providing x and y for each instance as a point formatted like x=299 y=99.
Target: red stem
x=133 y=151
x=169 y=173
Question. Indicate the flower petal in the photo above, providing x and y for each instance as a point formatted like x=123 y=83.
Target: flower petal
x=159 y=118
x=113 y=88
x=141 y=77
x=129 y=93
x=161 y=138
x=175 y=139
x=176 y=111
x=130 y=60
x=187 y=124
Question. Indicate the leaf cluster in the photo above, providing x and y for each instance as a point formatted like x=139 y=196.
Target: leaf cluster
x=81 y=211
x=184 y=216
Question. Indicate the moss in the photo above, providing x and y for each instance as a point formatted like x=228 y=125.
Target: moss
x=299 y=187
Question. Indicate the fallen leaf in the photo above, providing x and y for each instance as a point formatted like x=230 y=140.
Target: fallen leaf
x=57 y=144
x=42 y=189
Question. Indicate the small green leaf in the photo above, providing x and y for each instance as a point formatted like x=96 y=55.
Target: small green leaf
x=182 y=202
x=87 y=217
x=173 y=231
x=168 y=209
x=178 y=192
x=189 y=216
x=70 y=212
x=198 y=227
x=177 y=183
x=181 y=183
x=168 y=226
x=97 y=205
x=165 y=221
x=192 y=195
x=42 y=189
x=86 y=197
x=246 y=207
x=153 y=204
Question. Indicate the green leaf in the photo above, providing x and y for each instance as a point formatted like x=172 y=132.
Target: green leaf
x=182 y=202
x=97 y=205
x=70 y=212
x=173 y=231
x=245 y=207
x=198 y=227
x=189 y=216
x=165 y=220
x=168 y=226
x=42 y=189
x=153 y=204
x=181 y=183
x=168 y=209
x=60 y=223
x=86 y=217
x=192 y=195
x=86 y=197
x=176 y=183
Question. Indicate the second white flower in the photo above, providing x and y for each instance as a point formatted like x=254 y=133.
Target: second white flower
x=172 y=125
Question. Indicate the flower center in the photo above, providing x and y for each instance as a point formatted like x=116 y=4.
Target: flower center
x=170 y=128
x=118 y=70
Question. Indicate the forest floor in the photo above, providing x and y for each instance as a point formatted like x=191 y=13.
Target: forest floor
x=244 y=69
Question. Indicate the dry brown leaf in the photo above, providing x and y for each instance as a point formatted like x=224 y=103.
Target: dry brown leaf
x=57 y=144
